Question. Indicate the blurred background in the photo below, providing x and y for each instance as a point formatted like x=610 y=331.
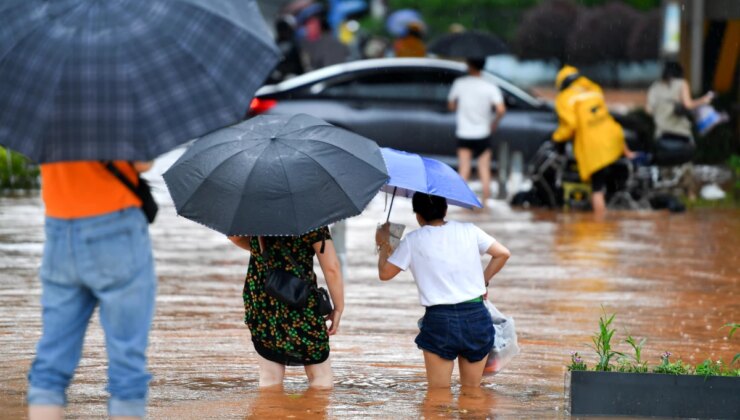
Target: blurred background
x=619 y=44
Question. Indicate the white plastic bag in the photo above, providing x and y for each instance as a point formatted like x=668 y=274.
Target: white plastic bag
x=505 y=345
x=396 y=231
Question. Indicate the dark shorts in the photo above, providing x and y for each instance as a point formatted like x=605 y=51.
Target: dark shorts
x=604 y=177
x=464 y=330
x=477 y=146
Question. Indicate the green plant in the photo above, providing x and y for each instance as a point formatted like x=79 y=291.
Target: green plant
x=625 y=365
x=733 y=326
x=16 y=172
x=637 y=365
x=672 y=368
x=710 y=368
x=602 y=343
x=576 y=362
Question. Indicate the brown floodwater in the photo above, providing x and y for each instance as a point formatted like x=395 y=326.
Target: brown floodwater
x=672 y=278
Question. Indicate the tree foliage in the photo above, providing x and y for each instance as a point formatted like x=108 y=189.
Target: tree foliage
x=500 y=17
x=578 y=31
x=644 y=41
x=601 y=34
x=544 y=30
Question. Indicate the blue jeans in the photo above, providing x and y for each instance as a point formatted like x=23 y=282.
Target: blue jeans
x=101 y=261
x=464 y=329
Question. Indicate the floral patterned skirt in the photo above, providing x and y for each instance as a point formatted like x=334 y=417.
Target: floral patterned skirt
x=292 y=337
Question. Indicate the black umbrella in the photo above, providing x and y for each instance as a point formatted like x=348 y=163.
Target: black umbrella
x=276 y=175
x=125 y=79
x=468 y=44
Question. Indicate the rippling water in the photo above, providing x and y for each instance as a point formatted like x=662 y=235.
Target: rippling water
x=670 y=278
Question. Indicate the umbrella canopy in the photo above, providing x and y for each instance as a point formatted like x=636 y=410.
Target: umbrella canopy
x=276 y=175
x=468 y=44
x=410 y=173
x=310 y=11
x=125 y=79
x=398 y=22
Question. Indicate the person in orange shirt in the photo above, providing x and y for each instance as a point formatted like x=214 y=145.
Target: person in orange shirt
x=97 y=254
x=411 y=44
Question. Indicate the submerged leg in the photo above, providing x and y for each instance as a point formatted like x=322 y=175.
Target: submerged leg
x=320 y=375
x=271 y=373
x=598 y=202
x=471 y=373
x=484 y=173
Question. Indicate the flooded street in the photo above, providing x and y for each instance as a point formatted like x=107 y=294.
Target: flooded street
x=673 y=279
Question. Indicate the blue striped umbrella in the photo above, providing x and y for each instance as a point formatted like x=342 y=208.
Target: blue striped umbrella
x=125 y=79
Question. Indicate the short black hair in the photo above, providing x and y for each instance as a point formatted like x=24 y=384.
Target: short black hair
x=672 y=70
x=476 y=63
x=429 y=207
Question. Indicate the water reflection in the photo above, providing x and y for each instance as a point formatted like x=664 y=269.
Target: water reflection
x=275 y=402
x=470 y=402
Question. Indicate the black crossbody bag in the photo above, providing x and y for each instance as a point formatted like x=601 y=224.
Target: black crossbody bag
x=295 y=291
x=143 y=191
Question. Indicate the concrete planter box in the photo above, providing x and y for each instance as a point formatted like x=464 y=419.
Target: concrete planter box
x=652 y=394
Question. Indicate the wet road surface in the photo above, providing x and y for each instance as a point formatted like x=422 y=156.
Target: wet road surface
x=670 y=278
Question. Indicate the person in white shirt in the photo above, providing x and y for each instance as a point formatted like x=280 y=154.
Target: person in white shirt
x=473 y=99
x=444 y=259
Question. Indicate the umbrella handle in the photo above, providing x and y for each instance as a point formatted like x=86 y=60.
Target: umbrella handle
x=391 y=206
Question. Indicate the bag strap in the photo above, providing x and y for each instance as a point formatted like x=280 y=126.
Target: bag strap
x=121 y=177
x=271 y=253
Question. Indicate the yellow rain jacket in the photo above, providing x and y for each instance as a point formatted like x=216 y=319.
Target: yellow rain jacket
x=598 y=140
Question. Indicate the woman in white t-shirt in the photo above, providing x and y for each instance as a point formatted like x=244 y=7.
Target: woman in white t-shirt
x=444 y=259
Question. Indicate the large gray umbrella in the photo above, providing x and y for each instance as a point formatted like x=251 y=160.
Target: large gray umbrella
x=276 y=175
x=125 y=79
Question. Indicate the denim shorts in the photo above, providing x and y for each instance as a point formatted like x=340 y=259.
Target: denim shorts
x=463 y=329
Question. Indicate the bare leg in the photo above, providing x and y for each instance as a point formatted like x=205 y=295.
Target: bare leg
x=320 y=375
x=464 y=157
x=45 y=412
x=439 y=370
x=471 y=373
x=484 y=173
x=598 y=203
x=271 y=373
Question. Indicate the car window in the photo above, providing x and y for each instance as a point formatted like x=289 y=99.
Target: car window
x=514 y=96
x=512 y=102
x=395 y=85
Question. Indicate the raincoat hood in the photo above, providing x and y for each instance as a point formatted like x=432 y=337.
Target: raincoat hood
x=565 y=72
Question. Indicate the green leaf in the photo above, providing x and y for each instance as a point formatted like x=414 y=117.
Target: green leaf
x=733 y=326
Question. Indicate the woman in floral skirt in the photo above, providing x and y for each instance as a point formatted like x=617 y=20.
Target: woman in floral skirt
x=283 y=336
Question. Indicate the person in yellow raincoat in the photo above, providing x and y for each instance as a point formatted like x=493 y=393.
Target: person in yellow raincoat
x=598 y=140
